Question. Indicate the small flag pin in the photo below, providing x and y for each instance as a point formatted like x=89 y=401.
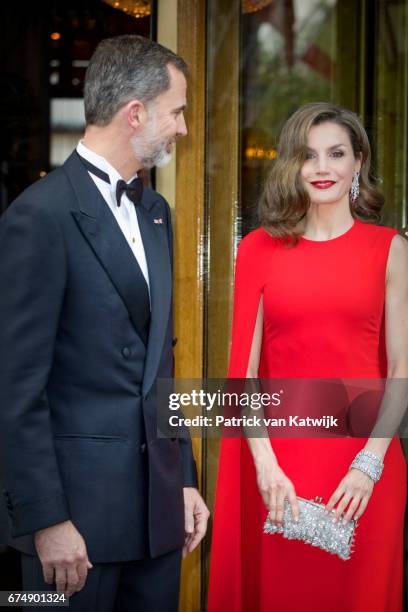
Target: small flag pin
x=158 y=221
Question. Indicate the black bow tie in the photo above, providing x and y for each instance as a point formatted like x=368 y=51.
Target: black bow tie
x=133 y=190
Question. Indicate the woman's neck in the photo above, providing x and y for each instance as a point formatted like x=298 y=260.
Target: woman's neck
x=326 y=221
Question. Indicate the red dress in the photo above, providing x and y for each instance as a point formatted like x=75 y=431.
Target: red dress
x=323 y=317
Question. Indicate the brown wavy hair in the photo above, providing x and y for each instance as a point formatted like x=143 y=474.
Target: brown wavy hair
x=284 y=201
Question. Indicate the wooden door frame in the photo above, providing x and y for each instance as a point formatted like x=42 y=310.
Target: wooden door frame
x=202 y=310
x=189 y=225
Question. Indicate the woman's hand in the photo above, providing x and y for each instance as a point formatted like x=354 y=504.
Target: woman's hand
x=353 y=493
x=275 y=486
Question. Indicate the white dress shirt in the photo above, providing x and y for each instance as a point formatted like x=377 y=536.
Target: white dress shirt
x=125 y=214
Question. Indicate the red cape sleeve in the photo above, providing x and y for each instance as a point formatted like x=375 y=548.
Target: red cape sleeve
x=225 y=572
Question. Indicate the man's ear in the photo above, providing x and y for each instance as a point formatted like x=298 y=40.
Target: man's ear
x=135 y=113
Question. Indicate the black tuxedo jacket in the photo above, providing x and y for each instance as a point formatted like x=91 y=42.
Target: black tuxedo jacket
x=77 y=375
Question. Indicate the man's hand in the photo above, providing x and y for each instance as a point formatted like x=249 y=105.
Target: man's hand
x=196 y=516
x=63 y=556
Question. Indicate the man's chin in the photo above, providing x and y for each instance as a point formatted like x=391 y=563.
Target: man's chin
x=158 y=160
x=164 y=160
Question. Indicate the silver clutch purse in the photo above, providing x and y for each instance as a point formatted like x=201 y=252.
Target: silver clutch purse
x=315 y=527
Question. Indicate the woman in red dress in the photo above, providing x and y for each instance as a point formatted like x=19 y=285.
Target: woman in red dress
x=320 y=291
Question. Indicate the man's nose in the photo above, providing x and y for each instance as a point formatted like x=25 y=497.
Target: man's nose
x=181 y=126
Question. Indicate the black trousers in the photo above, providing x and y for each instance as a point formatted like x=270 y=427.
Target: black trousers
x=148 y=585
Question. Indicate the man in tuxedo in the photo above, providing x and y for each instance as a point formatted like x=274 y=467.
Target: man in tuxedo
x=97 y=503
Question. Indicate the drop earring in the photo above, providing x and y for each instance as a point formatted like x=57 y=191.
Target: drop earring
x=355 y=187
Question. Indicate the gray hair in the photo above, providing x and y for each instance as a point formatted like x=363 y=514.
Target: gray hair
x=125 y=68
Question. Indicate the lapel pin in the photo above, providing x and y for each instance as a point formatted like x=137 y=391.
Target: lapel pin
x=158 y=221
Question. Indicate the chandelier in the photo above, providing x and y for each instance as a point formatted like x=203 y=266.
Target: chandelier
x=134 y=8
x=252 y=6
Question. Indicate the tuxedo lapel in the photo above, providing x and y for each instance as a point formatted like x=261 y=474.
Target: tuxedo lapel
x=155 y=242
x=100 y=229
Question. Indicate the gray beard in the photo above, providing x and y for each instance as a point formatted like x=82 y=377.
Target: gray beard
x=149 y=149
x=156 y=158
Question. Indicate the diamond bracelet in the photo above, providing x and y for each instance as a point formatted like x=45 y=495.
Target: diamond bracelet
x=368 y=463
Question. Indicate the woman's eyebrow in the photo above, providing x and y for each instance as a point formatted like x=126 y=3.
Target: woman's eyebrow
x=336 y=146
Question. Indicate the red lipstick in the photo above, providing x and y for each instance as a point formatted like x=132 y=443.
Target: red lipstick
x=322 y=184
